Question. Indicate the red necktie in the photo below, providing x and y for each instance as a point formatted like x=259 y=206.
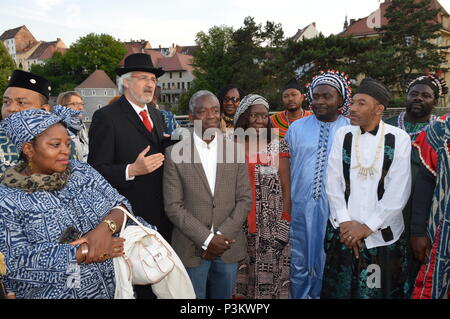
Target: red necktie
x=146 y=120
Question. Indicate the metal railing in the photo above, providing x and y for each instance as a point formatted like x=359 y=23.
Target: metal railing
x=184 y=121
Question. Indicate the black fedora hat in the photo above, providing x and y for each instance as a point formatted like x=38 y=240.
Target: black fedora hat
x=139 y=62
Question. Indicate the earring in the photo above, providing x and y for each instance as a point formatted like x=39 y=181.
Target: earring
x=30 y=165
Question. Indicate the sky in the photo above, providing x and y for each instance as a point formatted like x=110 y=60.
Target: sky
x=167 y=22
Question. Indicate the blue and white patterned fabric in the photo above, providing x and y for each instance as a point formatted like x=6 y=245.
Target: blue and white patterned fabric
x=69 y=116
x=171 y=122
x=38 y=266
x=310 y=142
x=23 y=126
x=8 y=153
x=336 y=79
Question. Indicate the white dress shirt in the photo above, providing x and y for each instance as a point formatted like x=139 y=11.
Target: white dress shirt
x=138 y=110
x=363 y=204
x=208 y=158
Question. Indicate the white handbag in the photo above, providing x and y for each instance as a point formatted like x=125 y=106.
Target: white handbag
x=148 y=259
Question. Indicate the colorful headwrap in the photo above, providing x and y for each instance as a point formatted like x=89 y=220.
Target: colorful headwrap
x=439 y=86
x=246 y=102
x=339 y=80
x=69 y=116
x=22 y=127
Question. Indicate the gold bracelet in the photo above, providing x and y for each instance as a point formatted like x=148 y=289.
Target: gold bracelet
x=84 y=250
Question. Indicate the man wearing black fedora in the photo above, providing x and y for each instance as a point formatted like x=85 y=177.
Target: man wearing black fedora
x=127 y=141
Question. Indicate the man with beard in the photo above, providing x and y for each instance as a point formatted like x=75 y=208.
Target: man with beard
x=292 y=101
x=310 y=141
x=369 y=182
x=126 y=142
x=422 y=97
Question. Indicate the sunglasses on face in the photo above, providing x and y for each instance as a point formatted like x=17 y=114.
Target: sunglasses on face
x=231 y=99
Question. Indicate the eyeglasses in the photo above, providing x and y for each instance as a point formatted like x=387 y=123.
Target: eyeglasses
x=254 y=116
x=75 y=104
x=145 y=78
x=231 y=99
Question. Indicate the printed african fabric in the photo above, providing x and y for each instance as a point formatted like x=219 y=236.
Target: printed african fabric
x=376 y=200
x=264 y=273
x=433 y=280
x=8 y=152
x=310 y=142
x=171 y=122
x=379 y=273
x=38 y=266
x=410 y=128
x=282 y=122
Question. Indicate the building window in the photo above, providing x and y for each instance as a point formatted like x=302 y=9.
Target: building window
x=189 y=85
x=181 y=75
x=93 y=92
x=178 y=85
x=86 y=119
x=170 y=74
x=99 y=106
x=164 y=86
x=106 y=92
x=182 y=85
x=83 y=93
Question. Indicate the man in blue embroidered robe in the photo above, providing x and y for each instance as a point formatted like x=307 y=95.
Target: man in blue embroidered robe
x=368 y=185
x=310 y=142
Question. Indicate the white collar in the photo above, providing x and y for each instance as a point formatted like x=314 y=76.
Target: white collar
x=138 y=109
x=201 y=143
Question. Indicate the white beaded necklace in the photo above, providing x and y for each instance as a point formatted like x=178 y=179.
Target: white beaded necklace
x=401 y=123
x=370 y=171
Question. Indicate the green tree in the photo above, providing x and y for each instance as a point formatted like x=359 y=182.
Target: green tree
x=410 y=35
x=212 y=63
x=87 y=54
x=245 y=57
x=7 y=65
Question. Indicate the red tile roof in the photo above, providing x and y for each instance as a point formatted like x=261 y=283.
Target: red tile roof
x=45 y=51
x=9 y=34
x=360 y=27
x=178 y=62
x=97 y=80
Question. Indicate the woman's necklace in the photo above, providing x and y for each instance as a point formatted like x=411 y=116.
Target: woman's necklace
x=370 y=171
x=401 y=124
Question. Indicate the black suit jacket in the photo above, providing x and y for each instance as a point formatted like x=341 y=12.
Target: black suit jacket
x=116 y=137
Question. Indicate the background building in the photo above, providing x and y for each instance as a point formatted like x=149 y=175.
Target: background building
x=97 y=90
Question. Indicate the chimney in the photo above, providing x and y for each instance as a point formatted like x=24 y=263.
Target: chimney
x=352 y=21
x=314 y=24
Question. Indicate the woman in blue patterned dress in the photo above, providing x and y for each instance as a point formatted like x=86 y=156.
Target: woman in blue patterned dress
x=44 y=196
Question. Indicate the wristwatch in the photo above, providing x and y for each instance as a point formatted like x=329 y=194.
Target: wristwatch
x=111 y=224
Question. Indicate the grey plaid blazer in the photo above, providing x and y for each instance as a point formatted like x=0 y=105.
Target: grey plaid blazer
x=192 y=208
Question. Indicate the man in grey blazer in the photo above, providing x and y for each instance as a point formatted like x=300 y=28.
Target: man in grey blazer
x=207 y=197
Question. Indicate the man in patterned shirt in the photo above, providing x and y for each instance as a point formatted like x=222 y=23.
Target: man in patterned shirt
x=422 y=97
x=292 y=101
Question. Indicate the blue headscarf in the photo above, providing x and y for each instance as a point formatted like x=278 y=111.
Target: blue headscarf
x=22 y=127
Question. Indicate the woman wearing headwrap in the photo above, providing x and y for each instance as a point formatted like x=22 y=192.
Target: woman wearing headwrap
x=264 y=274
x=47 y=202
x=310 y=140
